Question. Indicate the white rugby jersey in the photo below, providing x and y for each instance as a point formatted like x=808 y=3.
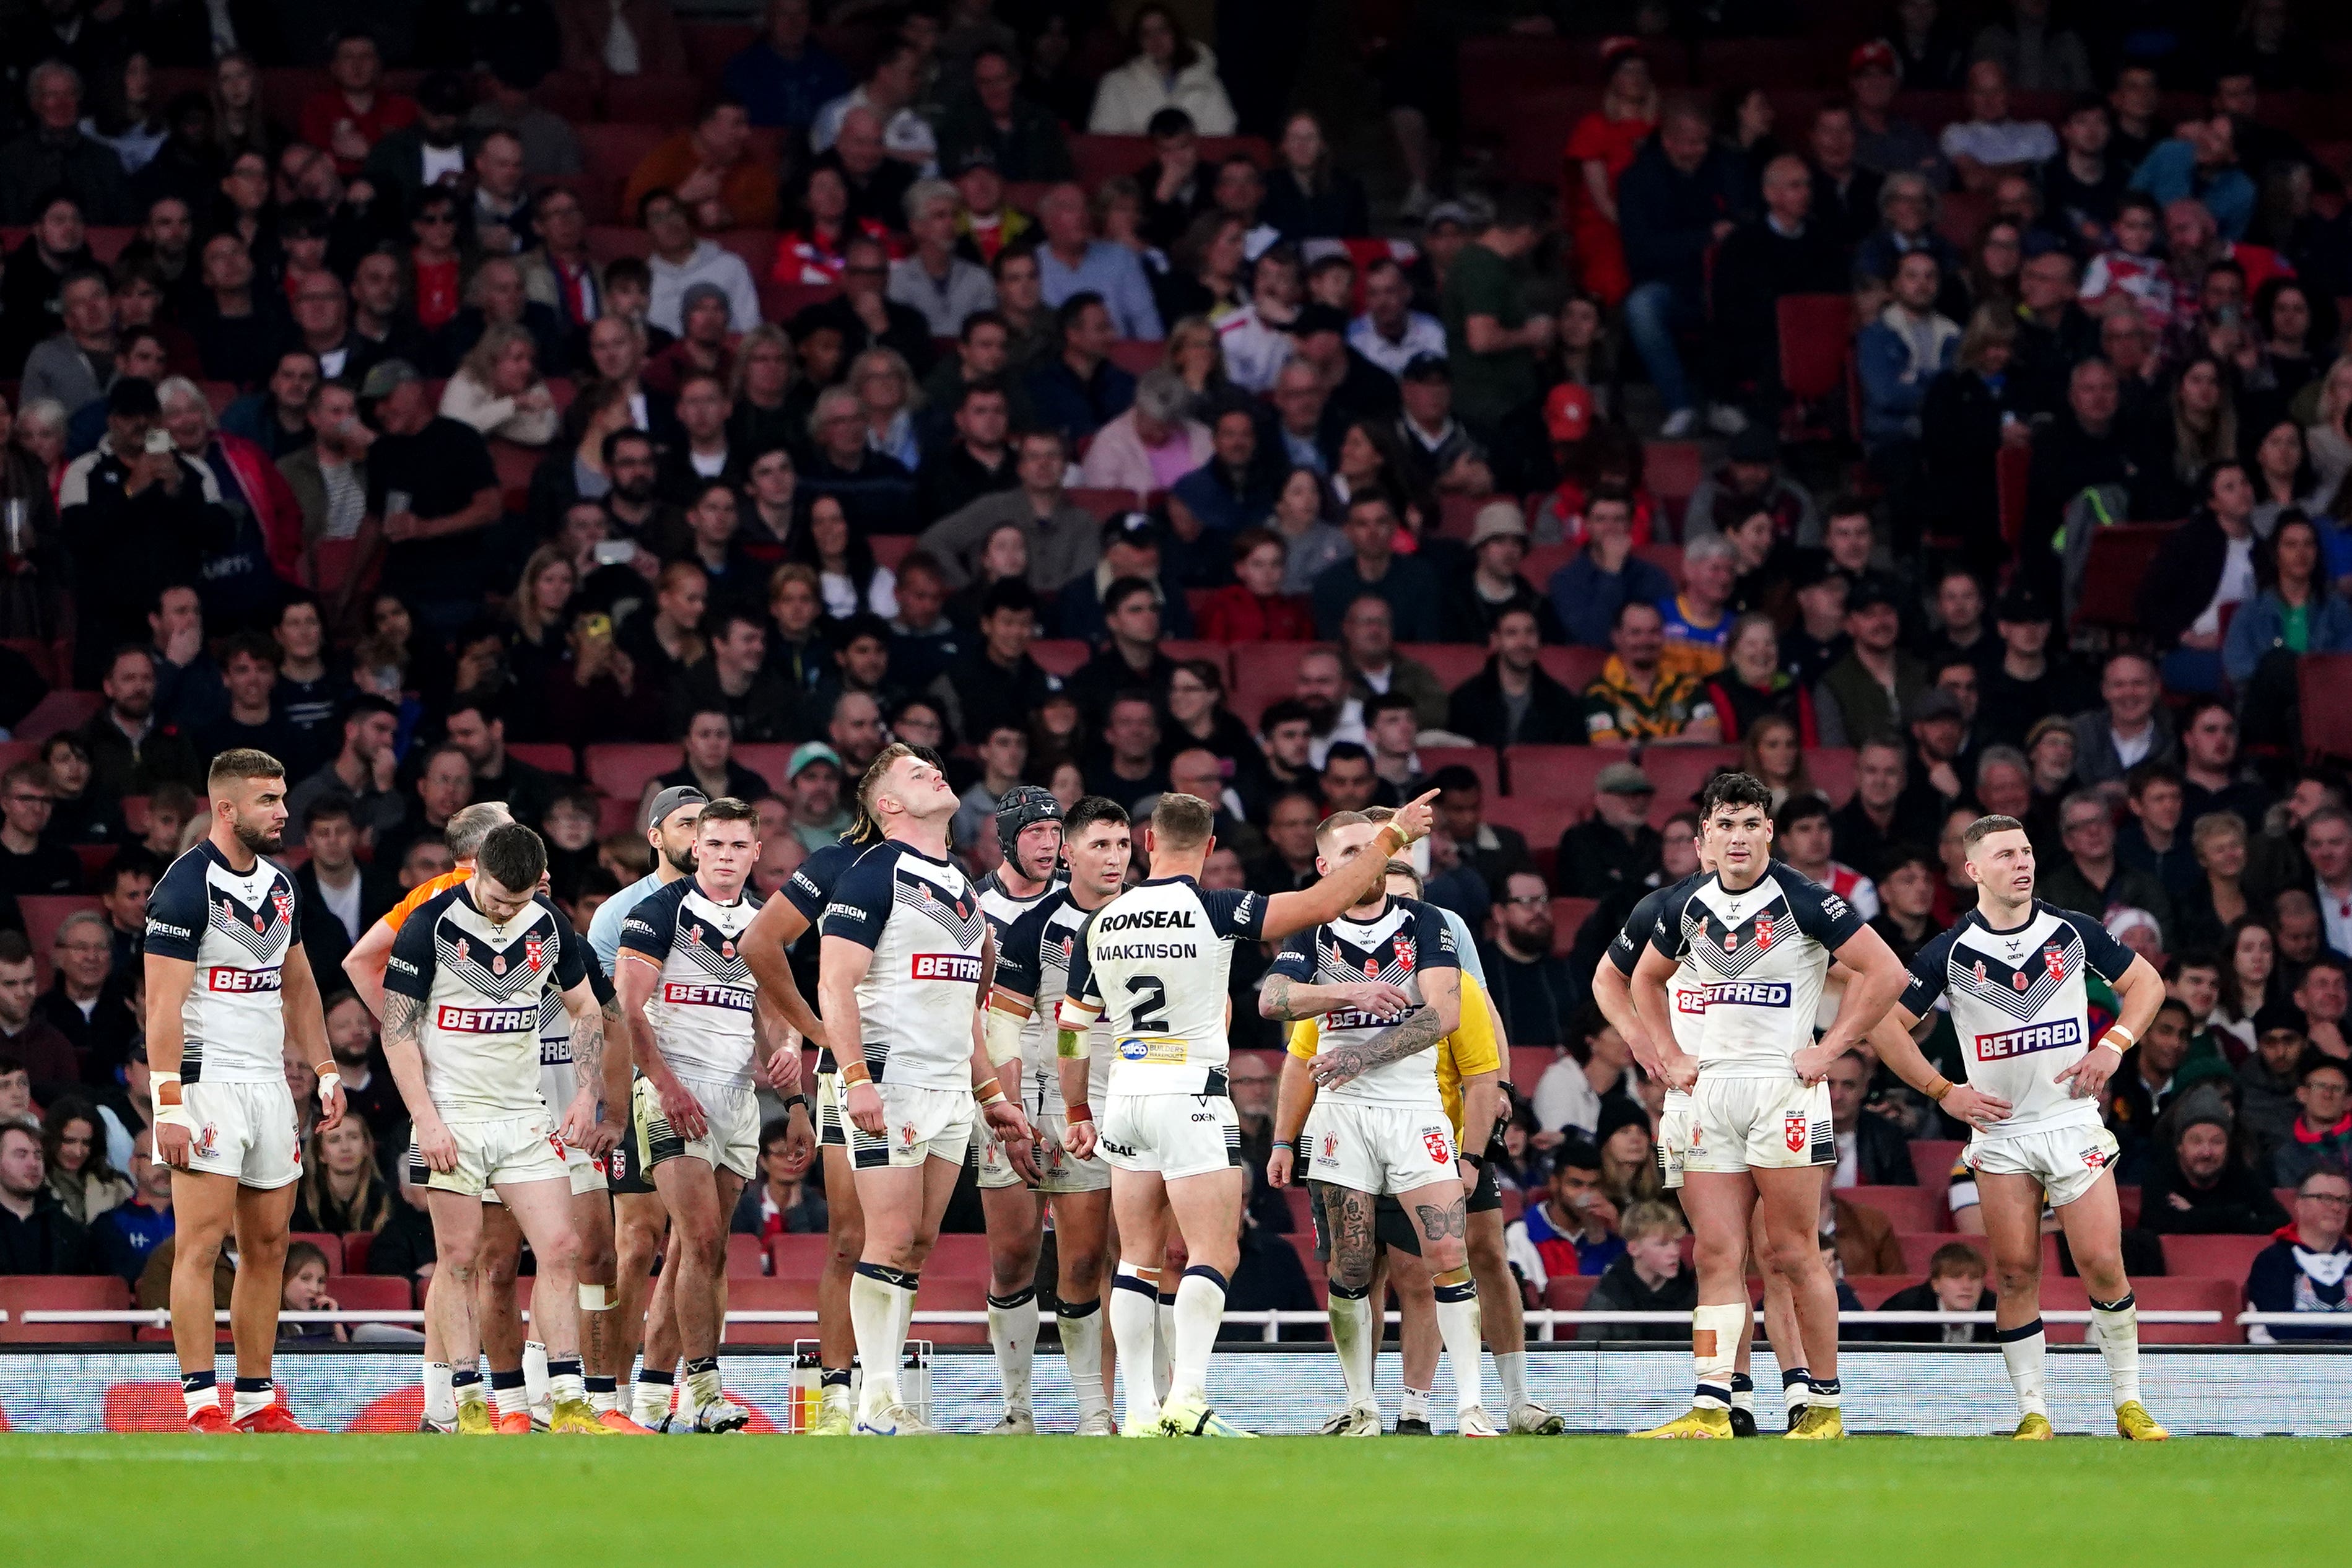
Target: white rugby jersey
x=480 y=985
x=557 y=1080
x=701 y=1005
x=1154 y=964
x=1003 y=909
x=922 y=917
x=1625 y=951
x=1033 y=960
x=1758 y=958
x=1398 y=944
x=2019 y=1007
x=236 y=930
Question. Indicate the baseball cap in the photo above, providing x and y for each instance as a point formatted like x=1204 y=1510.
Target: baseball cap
x=1426 y=367
x=1877 y=54
x=1756 y=444
x=2024 y=605
x=1497 y=520
x=696 y=293
x=1134 y=527
x=2272 y=1018
x=1454 y=213
x=965 y=160
x=808 y=752
x=1931 y=705
x=1568 y=412
x=385 y=377
x=1867 y=594
x=1319 y=318
x=671 y=801
x=1624 y=778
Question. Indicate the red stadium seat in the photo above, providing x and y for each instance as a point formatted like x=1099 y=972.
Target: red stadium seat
x=329 y=1242
x=1816 y=332
x=1909 y=1208
x=1672 y=470
x=1528 y=1062
x=959 y=1256
x=1542 y=562
x=1302 y=1208
x=2213 y=1256
x=754 y=1293
x=1452 y=663
x=746 y=1255
x=1183 y=650
x=22 y=1293
x=546 y=755
x=1931 y=1159
x=780 y=302
x=2120 y=557
x=356 y=1245
x=1264 y=673
x=889 y=549
x=2013 y=468
x=798 y=1256
x=1540 y=820
x=2322 y=678
x=623 y=769
x=1568 y=1293
x=1559 y=777
x=1105 y=504
x=1872 y=1289
x=1573 y=667
x=1568 y=918
x=1681 y=772
x=2225 y=1297
x=57 y=711
x=1479 y=760
x=1138 y=355
x=43 y=913
x=768 y=760
x=1833 y=770
x=1919 y=1248
x=966 y=1293
x=1060 y=656
x=370 y=1293
x=665 y=102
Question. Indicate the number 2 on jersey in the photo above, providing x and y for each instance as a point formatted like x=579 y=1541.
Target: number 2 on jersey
x=1147 y=1002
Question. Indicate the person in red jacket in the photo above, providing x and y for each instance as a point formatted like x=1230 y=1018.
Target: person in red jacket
x=350 y=116
x=1254 y=608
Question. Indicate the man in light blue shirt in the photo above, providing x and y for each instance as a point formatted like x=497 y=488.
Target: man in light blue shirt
x=1071 y=262
x=669 y=827
x=2202 y=166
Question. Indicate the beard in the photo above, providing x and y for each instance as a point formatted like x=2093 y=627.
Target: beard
x=1321 y=715
x=680 y=861
x=260 y=840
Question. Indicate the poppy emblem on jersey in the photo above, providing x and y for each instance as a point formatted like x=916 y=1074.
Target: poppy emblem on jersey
x=533 y=946
x=1763 y=931
x=1792 y=1127
x=497 y=964
x=2053 y=958
x=1730 y=940
x=2019 y=981
x=1373 y=968
x=726 y=949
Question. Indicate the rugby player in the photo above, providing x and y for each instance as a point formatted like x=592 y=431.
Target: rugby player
x=1381 y=1130
x=2013 y=972
x=1033 y=969
x=785 y=923
x=686 y=995
x=1155 y=963
x=1613 y=996
x=641 y=1306
x=1029 y=832
x=907 y=957
x=462 y=993
x=1760 y=937
x=230 y=1000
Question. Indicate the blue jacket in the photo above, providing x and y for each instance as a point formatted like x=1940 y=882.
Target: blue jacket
x=2170 y=173
x=1587 y=599
x=1894 y=387
x=778 y=91
x=2257 y=628
x=1668 y=217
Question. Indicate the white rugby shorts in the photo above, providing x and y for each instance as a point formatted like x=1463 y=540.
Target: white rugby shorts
x=2067 y=1159
x=1379 y=1149
x=1172 y=1136
x=493 y=1153
x=1674 y=1138
x=918 y=1124
x=1757 y=1123
x=730 y=1133
x=248 y=1131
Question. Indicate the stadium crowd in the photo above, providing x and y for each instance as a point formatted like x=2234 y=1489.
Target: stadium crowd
x=354 y=411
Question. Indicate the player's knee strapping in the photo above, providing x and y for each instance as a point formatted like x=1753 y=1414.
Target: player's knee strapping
x=1715 y=1346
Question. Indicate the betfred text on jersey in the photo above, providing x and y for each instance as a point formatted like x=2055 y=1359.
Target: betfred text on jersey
x=1739 y=994
x=221 y=977
x=688 y=994
x=963 y=966
x=2056 y=1035
x=486 y=1020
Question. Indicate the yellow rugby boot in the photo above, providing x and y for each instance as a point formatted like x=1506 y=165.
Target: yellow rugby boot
x=2133 y=1423
x=579 y=1417
x=1820 y=1423
x=1700 y=1422
x=2032 y=1429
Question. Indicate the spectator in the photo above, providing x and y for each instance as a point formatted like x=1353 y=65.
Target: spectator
x=1072 y=262
x=1079 y=391
x=1991 y=143
x=1955 y=1283
x=1061 y=539
x=1498 y=543
x=1403 y=582
x=363 y=769
x=1636 y=701
x=1803 y=832
x=784 y=78
x=37 y=1237
x=2131 y=725
x=77 y=366
x=1390 y=333
x=1254 y=607
x=1306 y=197
x=1884 y=141
x=57 y=154
x=1257 y=335
x=620 y=37
x=889 y=94
x=1167 y=71
x=32 y=859
x=131 y=748
x=2304 y=1270
x=429 y=151
x=2200 y=165
x=1152 y=445
x=680 y=260
x=2034 y=56
x=2320 y=1140
x=2091 y=878
x=2320 y=993
x=2152 y=841
x=1438 y=453
x=1865 y=695
x=497 y=390
x=1492 y=338
x=1235 y=488
x=549 y=150
x=875 y=490
x=2201 y=1185
x=1573 y=1230
x=1872 y=1150
x=1588 y=593
x=1647 y=1277
x=2294 y=611
x=781 y=1202
x=1615 y=849
x=2085 y=447
x=1784 y=251
x=1895 y=358
x=1753 y=693
x=731 y=678
x=1675 y=204
x=81 y=1176
x=127 y=1233
x=1019 y=136
x=934 y=282
x=354 y=111
x=1601 y=148
x=430 y=487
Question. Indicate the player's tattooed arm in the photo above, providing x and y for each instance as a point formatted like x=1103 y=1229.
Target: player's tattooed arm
x=1288 y=1000
x=1335 y=1064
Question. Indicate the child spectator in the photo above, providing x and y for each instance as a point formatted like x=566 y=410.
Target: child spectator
x=306 y=1292
x=1647 y=1277
x=1955 y=1283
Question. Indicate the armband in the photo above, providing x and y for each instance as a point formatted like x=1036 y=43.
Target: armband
x=1387 y=841
x=1000 y=1035
x=1939 y=1090
x=1289 y=1143
x=1475 y=1162
x=1076 y=1113
x=2113 y=1030
x=159 y=1081
x=987 y=1092
x=801 y=1100
x=1071 y=1044
x=854 y=1071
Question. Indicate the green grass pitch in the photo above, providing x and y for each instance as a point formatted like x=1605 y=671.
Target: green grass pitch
x=353 y=1502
